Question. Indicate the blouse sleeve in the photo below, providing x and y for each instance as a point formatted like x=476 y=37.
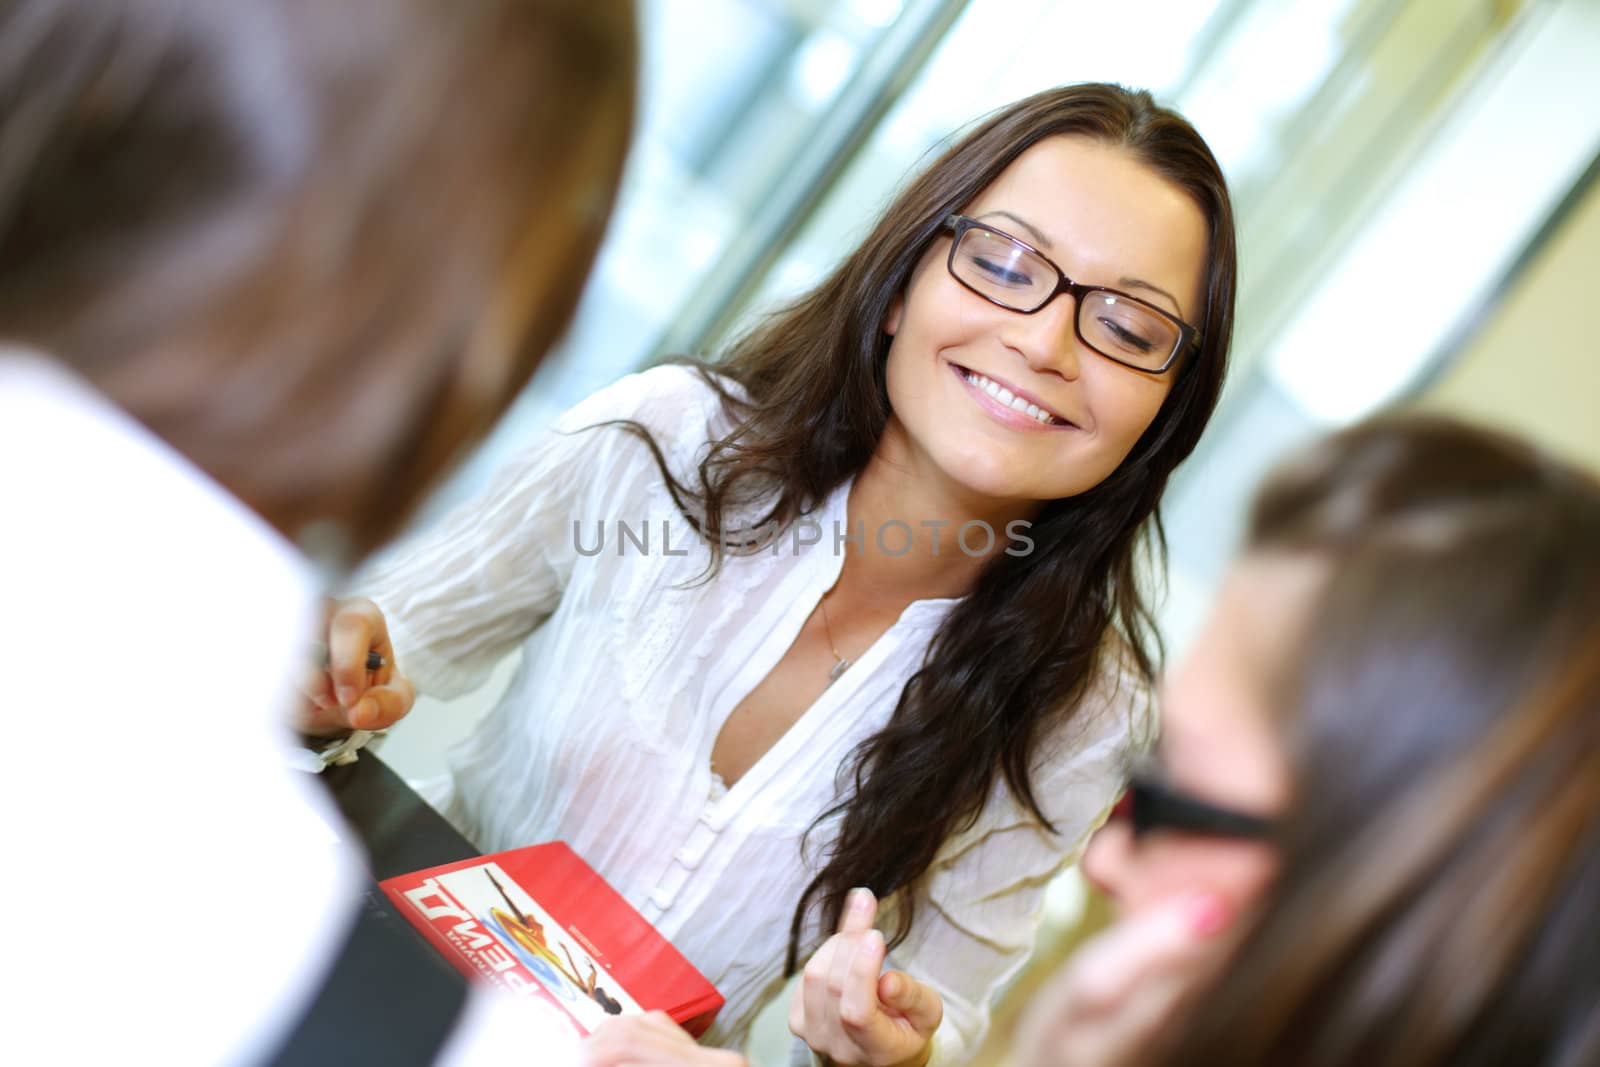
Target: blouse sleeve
x=463 y=593
x=977 y=924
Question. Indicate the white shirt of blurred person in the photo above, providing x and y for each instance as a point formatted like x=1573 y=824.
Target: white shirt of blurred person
x=173 y=896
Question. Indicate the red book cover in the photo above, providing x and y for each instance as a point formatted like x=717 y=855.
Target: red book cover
x=539 y=922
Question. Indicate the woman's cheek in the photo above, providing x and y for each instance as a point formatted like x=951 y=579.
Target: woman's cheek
x=1130 y=405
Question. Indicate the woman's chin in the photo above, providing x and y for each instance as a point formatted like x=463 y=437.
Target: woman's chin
x=986 y=475
x=989 y=487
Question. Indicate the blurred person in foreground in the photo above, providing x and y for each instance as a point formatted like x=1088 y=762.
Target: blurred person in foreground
x=1371 y=835
x=265 y=269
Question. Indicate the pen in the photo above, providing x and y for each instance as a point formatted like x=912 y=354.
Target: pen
x=320 y=654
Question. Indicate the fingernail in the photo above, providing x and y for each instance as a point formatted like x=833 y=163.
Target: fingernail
x=891 y=985
x=347 y=695
x=860 y=900
x=1207 y=914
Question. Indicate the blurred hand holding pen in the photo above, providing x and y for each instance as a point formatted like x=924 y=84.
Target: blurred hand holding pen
x=351 y=681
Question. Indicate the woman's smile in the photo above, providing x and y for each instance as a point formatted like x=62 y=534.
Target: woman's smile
x=1009 y=405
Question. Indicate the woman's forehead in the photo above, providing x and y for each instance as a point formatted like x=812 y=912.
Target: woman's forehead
x=1102 y=214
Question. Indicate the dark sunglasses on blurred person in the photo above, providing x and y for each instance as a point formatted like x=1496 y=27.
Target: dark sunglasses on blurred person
x=1151 y=804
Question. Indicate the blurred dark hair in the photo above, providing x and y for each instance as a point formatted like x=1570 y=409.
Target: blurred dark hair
x=1016 y=656
x=317 y=247
x=1441 y=863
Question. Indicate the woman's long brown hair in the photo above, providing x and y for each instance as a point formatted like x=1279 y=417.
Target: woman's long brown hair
x=1441 y=863
x=1017 y=654
x=317 y=247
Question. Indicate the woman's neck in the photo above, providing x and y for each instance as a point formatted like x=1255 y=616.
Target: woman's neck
x=910 y=524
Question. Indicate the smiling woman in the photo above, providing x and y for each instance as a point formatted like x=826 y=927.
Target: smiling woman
x=738 y=733
x=958 y=367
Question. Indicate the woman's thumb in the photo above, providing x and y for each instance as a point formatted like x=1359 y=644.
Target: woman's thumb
x=905 y=996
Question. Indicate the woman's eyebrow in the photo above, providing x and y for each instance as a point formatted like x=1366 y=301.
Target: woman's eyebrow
x=1139 y=283
x=1044 y=242
x=1033 y=231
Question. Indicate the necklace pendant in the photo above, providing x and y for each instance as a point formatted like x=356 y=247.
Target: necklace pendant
x=839 y=668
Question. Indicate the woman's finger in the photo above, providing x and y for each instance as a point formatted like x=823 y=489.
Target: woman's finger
x=843 y=955
x=812 y=996
x=1108 y=1004
x=315 y=685
x=356 y=629
x=1131 y=1033
x=841 y=979
x=1111 y=967
x=859 y=912
x=919 y=1004
x=383 y=705
x=858 y=1000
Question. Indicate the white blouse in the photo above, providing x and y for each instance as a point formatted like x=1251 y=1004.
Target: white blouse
x=629 y=670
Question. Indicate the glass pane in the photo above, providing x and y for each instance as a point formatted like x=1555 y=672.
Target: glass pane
x=732 y=92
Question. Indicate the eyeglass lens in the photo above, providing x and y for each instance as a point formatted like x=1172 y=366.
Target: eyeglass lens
x=1005 y=272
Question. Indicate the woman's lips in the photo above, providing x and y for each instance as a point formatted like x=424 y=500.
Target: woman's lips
x=1002 y=407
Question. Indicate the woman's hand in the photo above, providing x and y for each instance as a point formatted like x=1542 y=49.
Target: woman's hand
x=343 y=695
x=853 y=1015
x=648 y=1041
x=1118 y=999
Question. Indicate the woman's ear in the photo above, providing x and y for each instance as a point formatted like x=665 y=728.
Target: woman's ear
x=891 y=318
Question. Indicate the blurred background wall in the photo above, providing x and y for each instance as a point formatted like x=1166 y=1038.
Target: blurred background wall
x=1415 y=185
x=1534 y=365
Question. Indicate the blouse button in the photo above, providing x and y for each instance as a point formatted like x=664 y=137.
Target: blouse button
x=672 y=882
x=695 y=848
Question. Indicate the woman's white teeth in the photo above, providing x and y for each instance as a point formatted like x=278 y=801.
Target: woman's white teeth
x=1011 y=400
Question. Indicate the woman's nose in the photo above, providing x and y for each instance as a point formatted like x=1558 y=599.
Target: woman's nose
x=1048 y=339
x=1105 y=860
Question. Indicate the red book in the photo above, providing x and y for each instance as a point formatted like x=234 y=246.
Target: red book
x=539 y=922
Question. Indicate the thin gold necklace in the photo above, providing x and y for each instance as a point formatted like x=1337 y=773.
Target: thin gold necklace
x=840 y=664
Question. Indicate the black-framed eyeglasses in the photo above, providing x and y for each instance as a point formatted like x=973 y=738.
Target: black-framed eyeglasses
x=1151 y=804
x=1018 y=277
